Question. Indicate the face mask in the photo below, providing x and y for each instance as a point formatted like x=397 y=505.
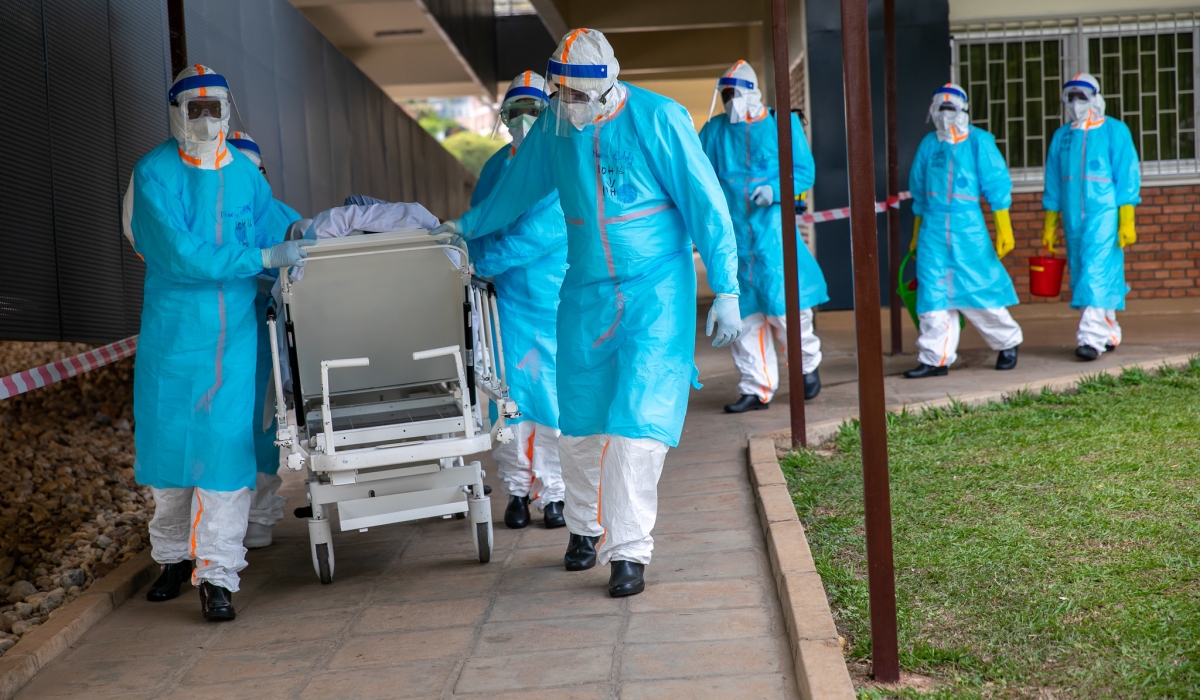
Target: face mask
x=942 y=121
x=203 y=129
x=580 y=114
x=519 y=127
x=1078 y=110
x=736 y=109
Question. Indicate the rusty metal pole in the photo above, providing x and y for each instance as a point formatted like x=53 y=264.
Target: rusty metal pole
x=881 y=580
x=893 y=172
x=787 y=206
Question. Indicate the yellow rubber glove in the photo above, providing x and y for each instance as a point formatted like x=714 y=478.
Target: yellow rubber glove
x=912 y=247
x=1048 y=237
x=1004 y=233
x=1126 y=235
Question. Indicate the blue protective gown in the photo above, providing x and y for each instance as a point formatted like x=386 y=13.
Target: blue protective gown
x=266 y=453
x=637 y=191
x=746 y=156
x=1090 y=173
x=957 y=265
x=527 y=261
x=200 y=233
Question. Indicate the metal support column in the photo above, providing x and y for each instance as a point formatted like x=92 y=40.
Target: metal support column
x=881 y=580
x=893 y=172
x=791 y=274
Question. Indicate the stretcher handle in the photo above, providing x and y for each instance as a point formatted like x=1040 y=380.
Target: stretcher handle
x=348 y=362
x=435 y=352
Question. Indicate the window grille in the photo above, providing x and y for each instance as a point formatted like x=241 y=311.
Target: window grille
x=504 y=8
x=1147 y=64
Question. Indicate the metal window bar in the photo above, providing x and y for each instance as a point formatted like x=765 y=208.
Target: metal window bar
x=1148 y=65
x=505 y=8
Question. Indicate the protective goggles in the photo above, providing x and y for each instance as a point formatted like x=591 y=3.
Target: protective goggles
x=200 y=107
x=575 y=107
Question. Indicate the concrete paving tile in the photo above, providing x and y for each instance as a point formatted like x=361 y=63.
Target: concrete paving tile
x=762 y=687
x=548 y=557
x=744 y=563
x=428 y=615
x=715 y=541
x=538 y=605
x=252 y=631
x=538 y=536
x=258 y=689
x=694 y=521
x=411 y=588
x=405 y=679
x=386 y=649
x=552 y=578
x=592 y=691
x=155 y=643
x=685 y=471
x=96 y=678
x=670 y=488
x=700 y=625
x=501 y=638
x=245 y=664
x=699 y=595
x=735 y=500
x=312 y=596
x=458 y=539
x=547 y=669
x=716 y=658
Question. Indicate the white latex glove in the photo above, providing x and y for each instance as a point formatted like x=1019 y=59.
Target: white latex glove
x=727 y=317
x=763 y=195
x=286 y=254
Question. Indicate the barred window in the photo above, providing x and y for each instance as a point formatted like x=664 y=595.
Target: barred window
x=1147 y=65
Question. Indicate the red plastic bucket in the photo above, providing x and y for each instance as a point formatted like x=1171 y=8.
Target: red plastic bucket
x=1045 y=276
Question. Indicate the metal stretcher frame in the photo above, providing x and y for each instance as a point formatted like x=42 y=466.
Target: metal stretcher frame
x=395 y=354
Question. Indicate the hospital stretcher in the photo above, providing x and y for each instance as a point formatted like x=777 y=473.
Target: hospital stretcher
x=393 y=371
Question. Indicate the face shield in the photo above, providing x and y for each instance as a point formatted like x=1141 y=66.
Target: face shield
x=734 y=94
x=584 y=91
x=1082 y=100
x=948 y=112
x=200 y=105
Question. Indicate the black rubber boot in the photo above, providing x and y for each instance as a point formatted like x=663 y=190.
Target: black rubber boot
x=581 y=552
x=923 y=370
x=303 y=512
x=748 y=402
x=1109 y=347
x=516 y=515
x=552 y=515
x=166 y=587
x=625 y=578
x=1007 y=359
x=216 y=603
x=1086 y=352
x=812 y=385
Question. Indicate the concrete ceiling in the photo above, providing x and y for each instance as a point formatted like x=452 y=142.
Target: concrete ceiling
x=397 y=44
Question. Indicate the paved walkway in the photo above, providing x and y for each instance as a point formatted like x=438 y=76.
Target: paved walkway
x=411 y=615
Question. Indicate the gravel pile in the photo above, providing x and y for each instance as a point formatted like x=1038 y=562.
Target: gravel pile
x=70 y=511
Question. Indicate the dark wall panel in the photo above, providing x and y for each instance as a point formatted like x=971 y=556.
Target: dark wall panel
x=86 y=182
x=29 y=283
x=471 y=25
x=522 y=43
x=922 y=64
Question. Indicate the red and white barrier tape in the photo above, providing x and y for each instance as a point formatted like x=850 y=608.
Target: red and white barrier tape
x=38 y=377
x=818 y=217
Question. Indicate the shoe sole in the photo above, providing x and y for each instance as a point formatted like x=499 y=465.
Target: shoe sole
x=222 y=617
x=555 y=525
x=161 y=600
x=627 y=592
x=256 y=545
x=577 y=567
x=747 y=410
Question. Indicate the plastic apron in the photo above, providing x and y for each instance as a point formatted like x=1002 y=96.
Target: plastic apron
x=636 y=190
x=957 y=265
x=200 y=233
x=746 y=156
x=1091 y=171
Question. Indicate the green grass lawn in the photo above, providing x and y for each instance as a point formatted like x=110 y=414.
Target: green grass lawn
x=1045 y=547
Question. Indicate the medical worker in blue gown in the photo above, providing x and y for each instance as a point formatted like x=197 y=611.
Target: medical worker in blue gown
x=1093 y=181
x=266 y=505
x=958 y=269
x=743 y=145
x=637 y=192
x=526 y=261
x=201 y=218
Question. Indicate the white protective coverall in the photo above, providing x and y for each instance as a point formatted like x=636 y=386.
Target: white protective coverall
x=756 y=357
x=204 y=525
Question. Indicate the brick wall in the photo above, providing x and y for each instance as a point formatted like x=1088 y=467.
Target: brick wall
x=1165 y=261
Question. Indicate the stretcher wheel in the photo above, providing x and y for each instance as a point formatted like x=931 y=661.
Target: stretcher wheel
x=323 y=568
x=483 y=541
x=460 y=516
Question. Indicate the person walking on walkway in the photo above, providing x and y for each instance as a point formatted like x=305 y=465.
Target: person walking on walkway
x=958 y=270
x=527 y=261
x=1093 y=181
x=743 y=146
x=636 y=191
x=200 y=216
